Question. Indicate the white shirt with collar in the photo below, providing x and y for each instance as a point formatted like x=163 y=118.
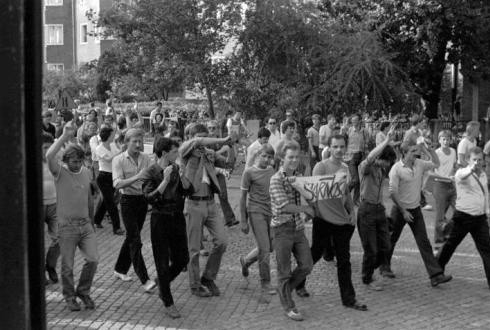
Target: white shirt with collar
x=274 y=138
x=472 y=198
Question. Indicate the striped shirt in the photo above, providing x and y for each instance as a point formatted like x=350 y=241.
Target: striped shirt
x=282 y=193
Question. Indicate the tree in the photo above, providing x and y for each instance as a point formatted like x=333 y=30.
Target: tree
x=167 y=44
x=423 y=36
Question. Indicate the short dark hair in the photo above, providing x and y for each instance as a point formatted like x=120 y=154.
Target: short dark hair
x=263 y=132
x=163 y=144
x=73 y=151
x=384 y=125
x=133 y=116
x=286 y=124
x=388 y=154
x=405 y=146
x=159 y=103
x=105 y=132
x=335 y=137
x=197 y=128
x=47 y=138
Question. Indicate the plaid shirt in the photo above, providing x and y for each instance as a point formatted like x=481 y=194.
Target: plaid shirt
x=283 y=193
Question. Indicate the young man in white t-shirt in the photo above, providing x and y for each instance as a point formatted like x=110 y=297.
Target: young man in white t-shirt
x=444 y=191
x=468 y=142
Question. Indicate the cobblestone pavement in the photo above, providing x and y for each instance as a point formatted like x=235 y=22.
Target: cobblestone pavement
x=408 y=302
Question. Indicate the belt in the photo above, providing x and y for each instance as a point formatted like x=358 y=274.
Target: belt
x=201 y=198
x=371 y=203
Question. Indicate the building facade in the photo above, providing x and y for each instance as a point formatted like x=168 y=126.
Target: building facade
x=70 y=38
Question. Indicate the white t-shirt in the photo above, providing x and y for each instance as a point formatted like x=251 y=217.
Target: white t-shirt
x=274 y=138
x=324 y=133
x=105 y=156
x=251 y=151
x=464 y=148
x=446 y=166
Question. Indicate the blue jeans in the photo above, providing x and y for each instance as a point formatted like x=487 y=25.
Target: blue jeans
x=287 y=240
x=260 y=224
x=444 y=196
x=79 y=233
x=199 y=214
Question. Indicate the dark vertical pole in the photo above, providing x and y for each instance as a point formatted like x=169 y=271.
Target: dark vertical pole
x=21 y=246
x=33 y=34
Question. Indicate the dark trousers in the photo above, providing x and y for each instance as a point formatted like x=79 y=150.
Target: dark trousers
x=133 y=211
x=223 y=200
x=169 y=244
x=419 y=233
x=104 y=181
x=463 y=224
x=341 y=235
x=355 y=183
x=375 y=238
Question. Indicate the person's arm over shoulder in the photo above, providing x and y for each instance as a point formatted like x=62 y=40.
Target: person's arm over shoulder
x=150 y=185
x=463 y=173
x=365 y=167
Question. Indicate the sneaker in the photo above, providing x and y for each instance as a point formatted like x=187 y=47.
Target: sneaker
x=149 y=286
x=73 y=305
x=428 y=207
x=293 y=314
x=172 y=312
x=244 y=267
x=201 y=292
x=211 y=286
x=53 y=276
x=119 y=232
x=123 y=277
x=439 y=279
x=387 y=273
x=87 y=301
x=374 y=286
x=302 y=293
x=269 y=289
x=204 y=253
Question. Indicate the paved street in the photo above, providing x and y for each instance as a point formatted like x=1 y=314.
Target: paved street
x=408 y=302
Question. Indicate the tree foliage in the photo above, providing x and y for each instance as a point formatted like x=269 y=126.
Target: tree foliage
x=167 y=44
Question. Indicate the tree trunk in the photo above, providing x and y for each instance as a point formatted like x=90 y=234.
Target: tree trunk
x=209 y=95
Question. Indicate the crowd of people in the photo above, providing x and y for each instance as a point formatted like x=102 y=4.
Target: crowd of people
x=95 y=164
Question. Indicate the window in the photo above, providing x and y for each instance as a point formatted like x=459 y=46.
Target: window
x=55 y=66
x=82 y=3
x=54 y=2
x=54 y=34
x=83 y=33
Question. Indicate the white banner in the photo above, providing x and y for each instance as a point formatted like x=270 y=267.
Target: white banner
x=324 y=186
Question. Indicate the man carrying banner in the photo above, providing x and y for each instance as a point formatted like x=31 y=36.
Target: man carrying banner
x=371 y=217
x=335 y=216
x=288 y=229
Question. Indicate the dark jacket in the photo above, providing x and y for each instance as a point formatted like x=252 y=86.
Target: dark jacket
x=172 y=199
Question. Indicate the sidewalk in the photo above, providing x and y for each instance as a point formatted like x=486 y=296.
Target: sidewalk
x=408 y=302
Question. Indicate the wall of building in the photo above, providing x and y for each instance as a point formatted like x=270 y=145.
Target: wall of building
x=61 y=53
x=89 y=50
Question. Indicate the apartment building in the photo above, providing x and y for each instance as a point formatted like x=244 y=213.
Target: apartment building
x=68 y=33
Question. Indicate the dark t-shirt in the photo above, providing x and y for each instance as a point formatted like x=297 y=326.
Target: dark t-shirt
x=50 y=129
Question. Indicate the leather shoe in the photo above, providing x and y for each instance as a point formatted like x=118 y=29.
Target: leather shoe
x=53 y=276
x=87 y=301
x=172 y=312
x=201 y=292
x=245 y=272
x=357 y=306
x=439 y=279
x=73 y=304
x=119 y=232
x=211 y=286
x=302 y=293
